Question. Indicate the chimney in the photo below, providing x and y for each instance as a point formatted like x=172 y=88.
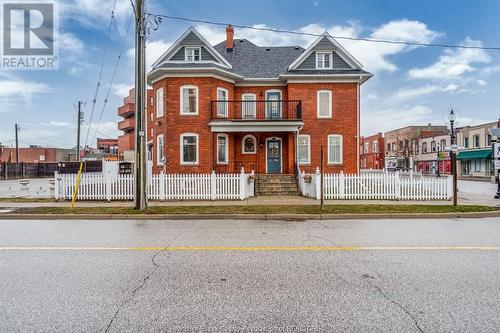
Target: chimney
x=229 y=38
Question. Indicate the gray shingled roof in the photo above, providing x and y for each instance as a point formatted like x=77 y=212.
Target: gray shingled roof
x=252 y=61
x=327 y=71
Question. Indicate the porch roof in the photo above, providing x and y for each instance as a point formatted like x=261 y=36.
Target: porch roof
x=256 y=126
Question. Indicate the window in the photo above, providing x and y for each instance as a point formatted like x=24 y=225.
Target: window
x=466 y=142
x=416 y=148
x=375 y=147
x=334 y=149
x=388 y=147
x=323 y=60
x=160 y=151
x=433 y=146
x=488 y=140
x=222 y=149
x=394 y=146
x=476 y=141
x=443 y=145
x=249 y=106
x=159 y=102
x=424 y=147
x=150 y=152
x=367 y=147
x=189 y=148
x=222 y=102
x=478 y=165
x=189 y=100
x=304 y=149
x=192 y=54
x=324 y=104
x=152 y=116
x=248 y=144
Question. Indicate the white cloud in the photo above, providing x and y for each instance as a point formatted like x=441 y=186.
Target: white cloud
x=69 y=42
x=121 y=89
x=453 y=64
x=96 y=13
x=13 y=90
x=154 y=50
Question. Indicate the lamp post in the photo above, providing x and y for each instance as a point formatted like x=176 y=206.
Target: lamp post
x=452 y=117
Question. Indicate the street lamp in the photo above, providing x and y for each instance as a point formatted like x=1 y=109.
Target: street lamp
x=452 y=117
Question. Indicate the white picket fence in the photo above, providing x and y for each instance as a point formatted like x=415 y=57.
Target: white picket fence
x=109 y=186
x=376 y=186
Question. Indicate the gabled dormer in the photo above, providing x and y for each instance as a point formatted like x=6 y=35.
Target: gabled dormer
x=325 y=53
x=191 y=49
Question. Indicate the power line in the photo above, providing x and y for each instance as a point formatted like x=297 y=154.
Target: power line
x=112 y=78
x=361 y=39
x=102 y=67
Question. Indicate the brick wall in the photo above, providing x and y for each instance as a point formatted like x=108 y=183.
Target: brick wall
x=371 y=160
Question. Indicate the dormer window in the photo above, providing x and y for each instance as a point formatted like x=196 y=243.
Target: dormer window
x=323 y=60
x=192 y=54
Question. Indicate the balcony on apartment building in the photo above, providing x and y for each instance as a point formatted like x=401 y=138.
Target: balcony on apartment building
x=256 y=116
x=126 y=110
x=127 y=124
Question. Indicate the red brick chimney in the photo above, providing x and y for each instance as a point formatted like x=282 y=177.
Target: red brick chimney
x=229 y=38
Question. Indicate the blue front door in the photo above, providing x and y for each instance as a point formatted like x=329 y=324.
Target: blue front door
x=273 y=156
x=273 y=105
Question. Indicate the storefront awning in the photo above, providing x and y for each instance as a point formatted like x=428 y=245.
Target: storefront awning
x=482 y=154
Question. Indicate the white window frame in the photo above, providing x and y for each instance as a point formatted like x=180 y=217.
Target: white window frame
x=366 y=149
x=226 y=152
x=222 y=104
x=253 y=104
x=159 y=151
x=308 y=161
x=160 y=102
x=375 y=147
x=330 y=103
x=330 y=162
x=193 y=49
x=181 y=103
x=254 y=144
x=322 y=55
x=181 y=149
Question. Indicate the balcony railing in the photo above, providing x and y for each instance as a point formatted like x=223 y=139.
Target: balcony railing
x=271 y=110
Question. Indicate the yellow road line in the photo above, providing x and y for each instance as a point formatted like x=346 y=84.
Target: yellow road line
x=254 y=248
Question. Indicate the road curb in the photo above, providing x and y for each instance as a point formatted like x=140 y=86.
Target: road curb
x=268 y=217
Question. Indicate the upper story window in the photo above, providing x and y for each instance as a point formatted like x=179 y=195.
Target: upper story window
x=488 y=140
x=222 y=97
x=424 y=147
x=192 y=54
x=443 y=144
x=367 y=147
x=249 y=106
x=189 y=100
x=334 y=149
x=324 y=104
x=416 y=148
x=476 y=141
x=323 y=60
x=159 y=102
x=433 y=146
x=375 y=147
x=466 y=142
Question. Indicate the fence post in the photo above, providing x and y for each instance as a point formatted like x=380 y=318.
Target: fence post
x=398 y=185
x=243 y=183
x=318 y=184
x=342 y=185
x=107 y=182
x=449 y=187
x=213 y=185
x=56 y=185
x=163 y=186
x=252 y=185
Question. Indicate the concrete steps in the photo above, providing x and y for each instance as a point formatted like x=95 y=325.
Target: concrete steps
x=276 y=185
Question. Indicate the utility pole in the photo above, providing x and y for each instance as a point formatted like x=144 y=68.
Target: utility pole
x=79 y=123
x=140 y=198
x=17 y=142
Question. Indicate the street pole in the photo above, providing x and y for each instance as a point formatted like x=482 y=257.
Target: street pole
x=453 y=156
x=321 y=178
x=140 y=198
x=79 y=122
x=17 y=142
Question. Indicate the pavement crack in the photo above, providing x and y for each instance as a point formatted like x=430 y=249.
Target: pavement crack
x=138 y=287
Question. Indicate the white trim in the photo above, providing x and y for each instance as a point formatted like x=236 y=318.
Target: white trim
x=330 y=104
x=281 y=153
x=225 y=104
x=198 y=74
x=308 y=162
x=243 y=145
x=158 y=160
x=254 y=96
x=255 y=126
x=227 y=148
x=340 y=50
x=322 y=53
x=186 y=48
x=280 y=100
x=341 y=149
x=181 y=149
x=181 y=100
x=169 y=53
x=158 y=102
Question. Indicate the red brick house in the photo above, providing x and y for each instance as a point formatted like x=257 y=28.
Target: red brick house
x=268 y=109
x=372 y=152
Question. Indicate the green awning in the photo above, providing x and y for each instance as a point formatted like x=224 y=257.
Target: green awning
x=479 y=154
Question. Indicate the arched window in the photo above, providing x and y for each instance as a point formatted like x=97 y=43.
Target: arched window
x=424 y=147
x=443 y=145
x=248 y=144
x=433 y=146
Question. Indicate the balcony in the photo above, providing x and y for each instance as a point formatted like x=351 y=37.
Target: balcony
x=126 y=110
x=255 y=116
x=127 y=124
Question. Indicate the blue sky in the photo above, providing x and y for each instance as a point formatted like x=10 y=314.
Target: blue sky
x=412 y=85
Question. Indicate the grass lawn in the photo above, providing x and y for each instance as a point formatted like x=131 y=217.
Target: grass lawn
x=27 y=200
x=309 y=209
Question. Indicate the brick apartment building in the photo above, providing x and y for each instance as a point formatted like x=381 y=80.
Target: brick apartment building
x=269 y=109
x=372 y=152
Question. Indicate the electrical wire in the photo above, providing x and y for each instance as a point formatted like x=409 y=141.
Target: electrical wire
x=112 y=78
x=361 y=39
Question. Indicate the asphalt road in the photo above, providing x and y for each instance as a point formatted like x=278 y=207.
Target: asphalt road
x=250 y=276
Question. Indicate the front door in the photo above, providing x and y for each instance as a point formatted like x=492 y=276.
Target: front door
x=273 y=155
x=273 y=105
